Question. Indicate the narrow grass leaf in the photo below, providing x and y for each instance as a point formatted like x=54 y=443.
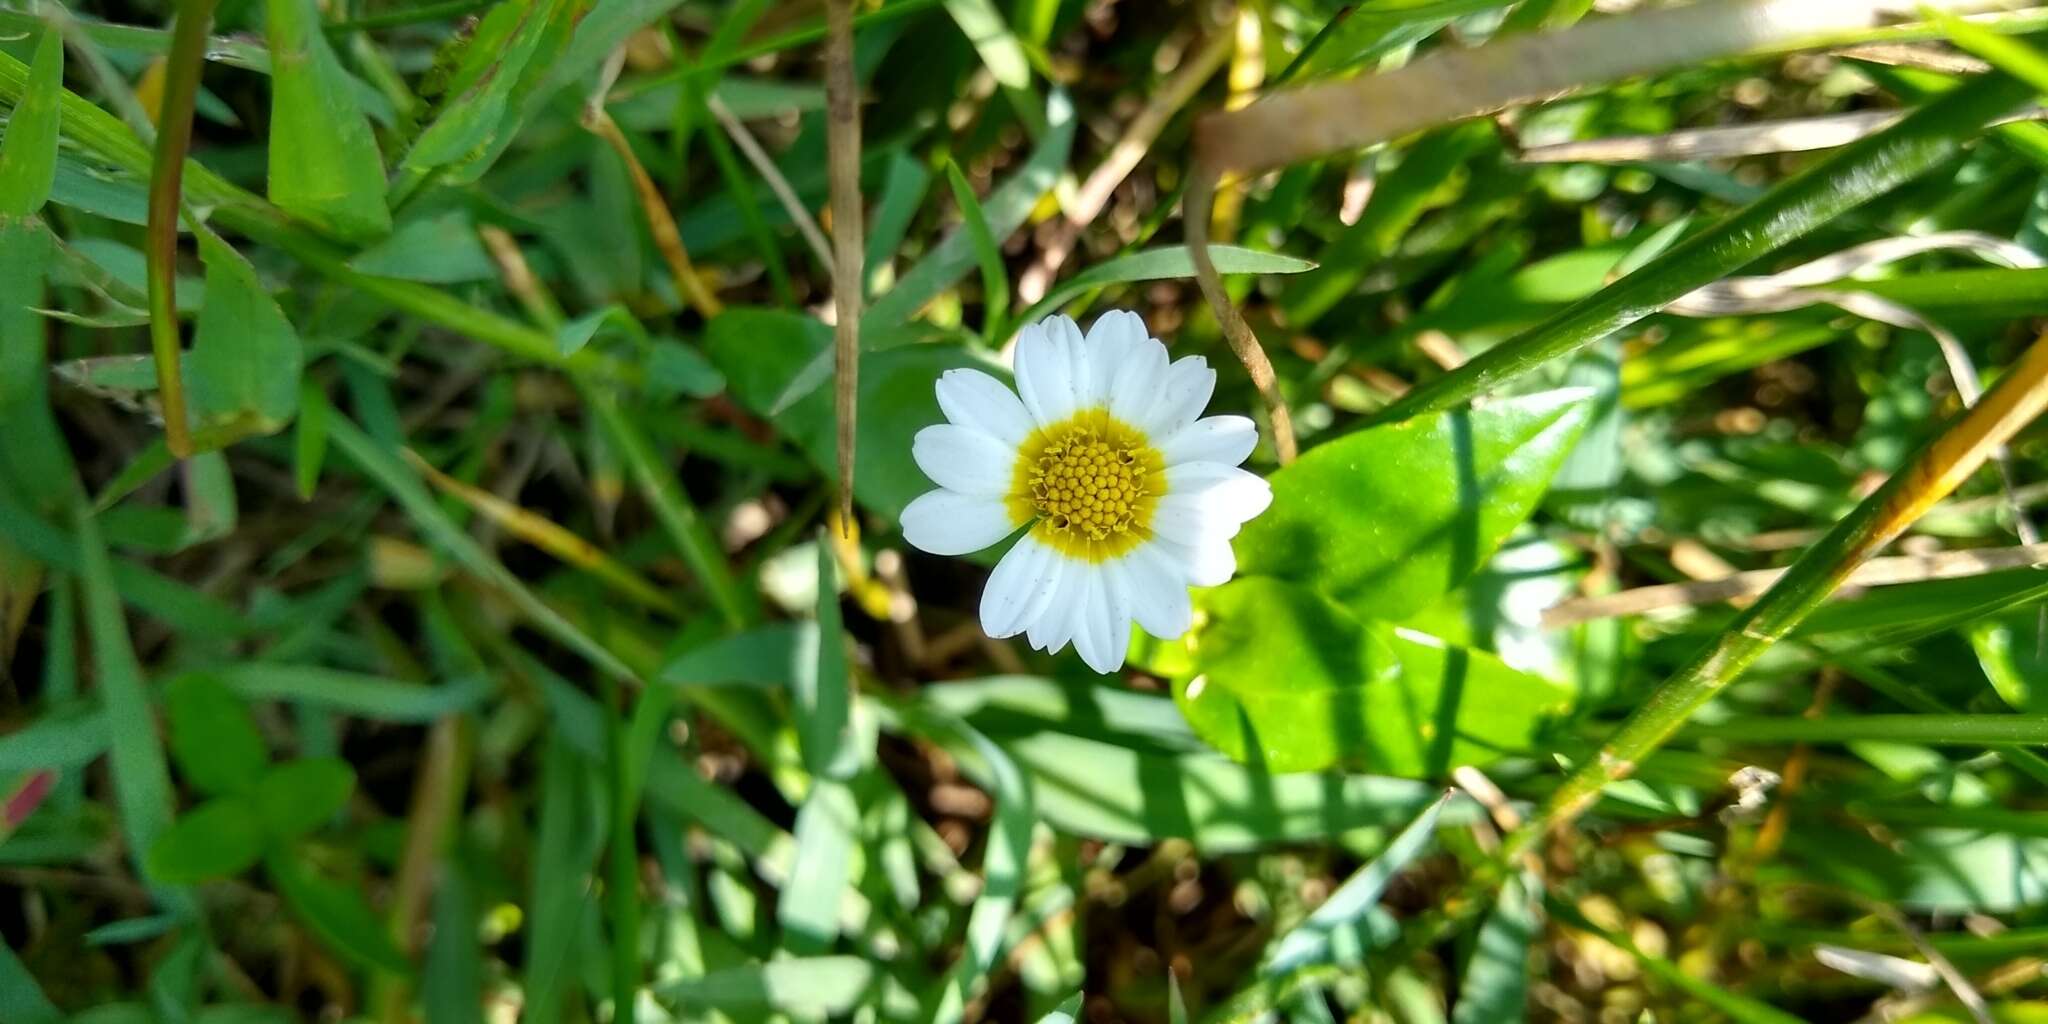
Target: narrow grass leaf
x=1003 y=866
x=451 y=987
x=1158 y=264
x=353 y=693
x=142 y=780
x=309 y=439
x=21 y=997
x=825 y=853
x=1845 y=179
x=801 y=987
x=412 y=495
x=1338 y=920
x=28 y=150
x=1495 y=986
x=59 y=739
x=823 y=697
x=569 y=834
x=1005 y=209
x=995 y=284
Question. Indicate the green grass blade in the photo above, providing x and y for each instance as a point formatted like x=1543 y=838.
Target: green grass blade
x=802 y=987
x=412 y=495
x=1847 y=178
x=21 y=998
x=686 y=528
x=995 y=284
x=353 y=693
x=61 y=739
x=1974 y=730
x=1315 y=939
x=142 y=778
x=1161 y=264
x=28 y=150
x=825 y=855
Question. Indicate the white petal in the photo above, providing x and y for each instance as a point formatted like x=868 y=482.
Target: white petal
x=1194 y=518
x=1210 y=563
x=1225 y=492
x=1159 y=593
x=949 y=523
x=964 y=460
x=1066 y=334
x=1021 y=588
x=1101 y=636
x=1112 y=340
x=1054 y=628
x=1182 y=396
x=1225 y=439
x=1045 y=379
x=1134 y=391
x=971 y=398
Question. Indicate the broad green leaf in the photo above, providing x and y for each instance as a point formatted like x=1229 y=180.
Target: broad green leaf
x=1390 y=518
x=1282 y=676
x=2010 y=650
x=217 y=839
x=1162 y=263
x=299 y=796
x=803 y=987
x=213 y=736
x=1288 y=681
x=438 y=248
x=246 y=359
x=1341 y=919
x=28 y=150
x=336 y=913
x=676 y=370
x=324 y=163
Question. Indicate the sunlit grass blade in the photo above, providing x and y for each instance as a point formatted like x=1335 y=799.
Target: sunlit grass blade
x=1974 y=730
x=802 y=987
x=1945 y=462
x=1334 y=924
x=1847 y=178
x=1160 y=264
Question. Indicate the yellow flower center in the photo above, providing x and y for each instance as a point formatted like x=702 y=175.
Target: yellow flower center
x=1091 y=482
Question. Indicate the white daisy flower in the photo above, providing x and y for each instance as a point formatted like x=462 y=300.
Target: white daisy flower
x=1131 y=494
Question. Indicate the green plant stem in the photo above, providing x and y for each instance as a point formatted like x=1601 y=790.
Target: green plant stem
x=166 y=178
x=1989 y=730
x=1944 y=463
